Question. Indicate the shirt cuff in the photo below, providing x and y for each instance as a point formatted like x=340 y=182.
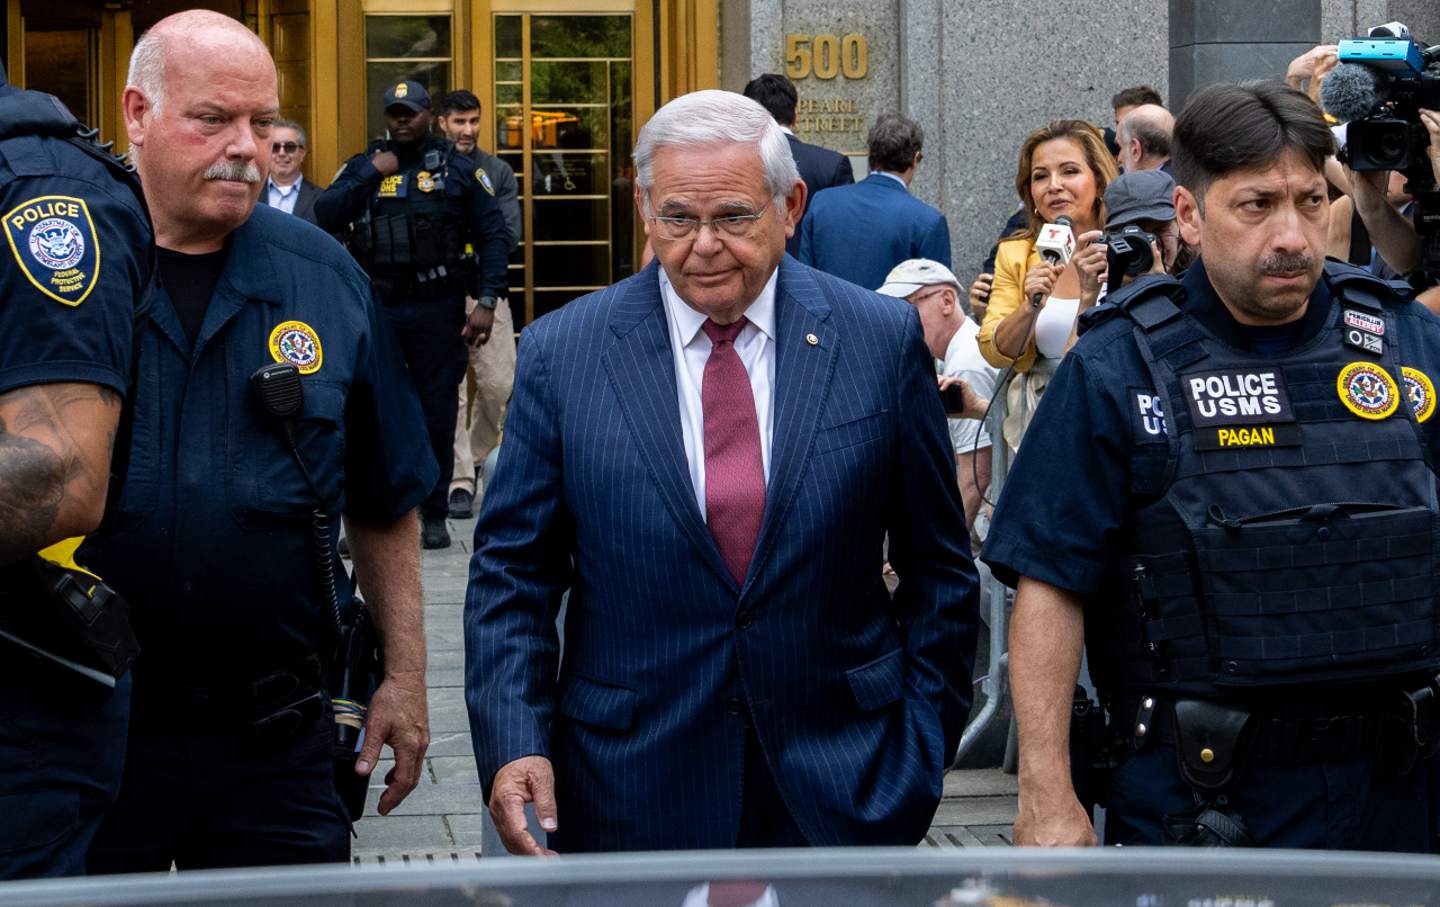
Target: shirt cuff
x=62 y=372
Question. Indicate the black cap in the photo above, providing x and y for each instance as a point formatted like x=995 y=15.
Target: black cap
x=1139 y=195
x=409 y=94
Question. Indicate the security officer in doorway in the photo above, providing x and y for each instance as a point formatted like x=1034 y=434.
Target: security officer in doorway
x=1229 y=491
x=413 y=204
x=77 y=253
x=223 y=538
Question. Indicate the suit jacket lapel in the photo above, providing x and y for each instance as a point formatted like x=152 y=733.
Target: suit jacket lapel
x=802 y=386
x=642 y=370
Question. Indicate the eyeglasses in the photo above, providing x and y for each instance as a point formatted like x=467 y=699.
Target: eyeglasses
x=287 y=147
x=737 y=225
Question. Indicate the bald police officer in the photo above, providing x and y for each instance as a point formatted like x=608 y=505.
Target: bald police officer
x=77 y=253
x=412 y=204
x=1242 y=525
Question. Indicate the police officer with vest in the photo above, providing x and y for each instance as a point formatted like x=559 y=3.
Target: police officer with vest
x=1229 y=492
x=271 y=402
x=77 y=254
x=412 y=204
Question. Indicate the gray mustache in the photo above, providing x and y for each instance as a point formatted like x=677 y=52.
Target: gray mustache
x=1287 y=264
x=234 y=171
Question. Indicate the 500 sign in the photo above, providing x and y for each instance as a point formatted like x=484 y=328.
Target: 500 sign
x=826 y=56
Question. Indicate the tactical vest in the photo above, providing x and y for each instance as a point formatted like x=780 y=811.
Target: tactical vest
x=1290 y=535
x=416 y=237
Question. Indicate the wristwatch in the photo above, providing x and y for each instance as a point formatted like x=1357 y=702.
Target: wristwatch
x=487 y=302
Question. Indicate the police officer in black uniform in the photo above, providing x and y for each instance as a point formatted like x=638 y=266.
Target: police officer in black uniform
x=413 y=204
x=223 y=538
x=77 y=252
x=1229 y=490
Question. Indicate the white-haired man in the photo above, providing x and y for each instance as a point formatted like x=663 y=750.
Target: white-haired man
x=709 y=456
x=934 y=291
x=222 y=536
x=1143 y=135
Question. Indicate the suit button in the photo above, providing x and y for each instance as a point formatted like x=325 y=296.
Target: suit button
x=734 y=706
x=742 y=620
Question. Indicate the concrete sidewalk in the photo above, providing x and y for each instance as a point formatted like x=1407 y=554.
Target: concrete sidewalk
x=442 y=819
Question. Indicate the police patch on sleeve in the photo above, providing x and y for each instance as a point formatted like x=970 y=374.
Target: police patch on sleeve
x=1149 y=416
x=1367 y=390
x=297 y=343
x=53 y=240
x=1420 y=391
x=484 y=180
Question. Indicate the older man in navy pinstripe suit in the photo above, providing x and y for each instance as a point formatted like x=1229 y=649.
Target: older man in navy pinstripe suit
x=709 y=456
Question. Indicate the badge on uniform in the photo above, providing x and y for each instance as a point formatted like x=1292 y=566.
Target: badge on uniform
x=392 y=186
x=1365 y=332
x=297 y=343
x=1240 y=407
x=484 y=179
x=53 y=239
x=1367 y=390
x=424 y=181
x=1420 y=391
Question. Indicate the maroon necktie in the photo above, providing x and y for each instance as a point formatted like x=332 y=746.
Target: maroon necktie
x=734 y=473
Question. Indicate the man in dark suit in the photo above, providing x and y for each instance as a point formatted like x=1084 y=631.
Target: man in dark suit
x=860 y=232
x=709 y=456
x=287 y=188
x=820 y=168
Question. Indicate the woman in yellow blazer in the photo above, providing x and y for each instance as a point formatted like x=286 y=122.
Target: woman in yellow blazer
x=1063 y=170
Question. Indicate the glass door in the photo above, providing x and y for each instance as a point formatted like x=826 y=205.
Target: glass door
x=565 y=123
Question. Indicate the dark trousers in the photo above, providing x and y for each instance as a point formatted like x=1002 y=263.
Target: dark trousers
x=62 y=752
x=217 y=800
x=429 y=336
x=764 y=820
x=1335 y=806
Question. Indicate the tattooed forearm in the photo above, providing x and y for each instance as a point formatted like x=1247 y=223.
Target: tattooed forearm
x=55 y=445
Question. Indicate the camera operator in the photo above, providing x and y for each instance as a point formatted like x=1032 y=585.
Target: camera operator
x=1392 y=233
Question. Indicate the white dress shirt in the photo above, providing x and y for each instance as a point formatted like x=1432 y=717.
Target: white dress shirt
x=691 y=348
x=285 y=197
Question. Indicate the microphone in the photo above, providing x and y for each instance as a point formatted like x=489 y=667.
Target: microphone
x=1350 y=92
x=1056 y=242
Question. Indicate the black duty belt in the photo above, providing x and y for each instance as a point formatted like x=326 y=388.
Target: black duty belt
x=274 y=705
x=1379 y=734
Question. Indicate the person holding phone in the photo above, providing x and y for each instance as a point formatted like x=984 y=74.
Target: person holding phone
x=950 y=335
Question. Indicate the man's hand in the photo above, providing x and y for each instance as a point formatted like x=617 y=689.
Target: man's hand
x=1053 y=820
x=478 y=325
x=398 y=717
x=529 y=779
x=1040 y=280
x=980 y=295
x=1090 y=263
x=386 y=162
x=973 y=404
x=1431 y=120
x=1317 y=60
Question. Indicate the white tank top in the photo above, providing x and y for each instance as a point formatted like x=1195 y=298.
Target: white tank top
x=1052 y=328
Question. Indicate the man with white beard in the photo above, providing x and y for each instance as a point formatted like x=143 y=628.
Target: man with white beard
x=222 y=537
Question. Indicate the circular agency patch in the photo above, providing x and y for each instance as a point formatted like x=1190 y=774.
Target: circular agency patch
x=1420 y=391
x=57 y=243
x=297 y=343
x=1367 y=390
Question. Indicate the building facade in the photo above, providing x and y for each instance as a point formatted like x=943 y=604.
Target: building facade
x=566 y=84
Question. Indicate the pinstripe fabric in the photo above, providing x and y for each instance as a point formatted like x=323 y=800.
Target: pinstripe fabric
x=857 y=699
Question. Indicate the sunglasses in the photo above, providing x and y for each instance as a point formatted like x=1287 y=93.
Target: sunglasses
x=287 y=147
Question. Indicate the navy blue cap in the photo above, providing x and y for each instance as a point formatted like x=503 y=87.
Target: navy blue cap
x=409 y=94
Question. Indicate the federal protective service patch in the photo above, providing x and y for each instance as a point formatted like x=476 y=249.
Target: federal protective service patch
x=484 y=179
x=1420 y=392
x=1367 y=390
x=53 y=239
x=297 y=343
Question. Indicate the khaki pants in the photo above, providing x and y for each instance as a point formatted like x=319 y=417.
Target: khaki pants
x=492 y=366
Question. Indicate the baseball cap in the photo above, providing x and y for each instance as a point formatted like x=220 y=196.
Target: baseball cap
x=409 y=94
x=1139 y=195
x=914 y=274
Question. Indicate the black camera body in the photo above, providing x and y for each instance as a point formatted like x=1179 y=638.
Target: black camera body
x=1394 y=139
x=1128 y=253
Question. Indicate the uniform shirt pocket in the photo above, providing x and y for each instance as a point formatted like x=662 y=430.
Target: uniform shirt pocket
x=270 y=479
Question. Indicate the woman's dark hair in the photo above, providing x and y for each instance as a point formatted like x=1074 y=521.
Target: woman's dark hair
x=776 y=94
x=894 y=141
x=1228 y=127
